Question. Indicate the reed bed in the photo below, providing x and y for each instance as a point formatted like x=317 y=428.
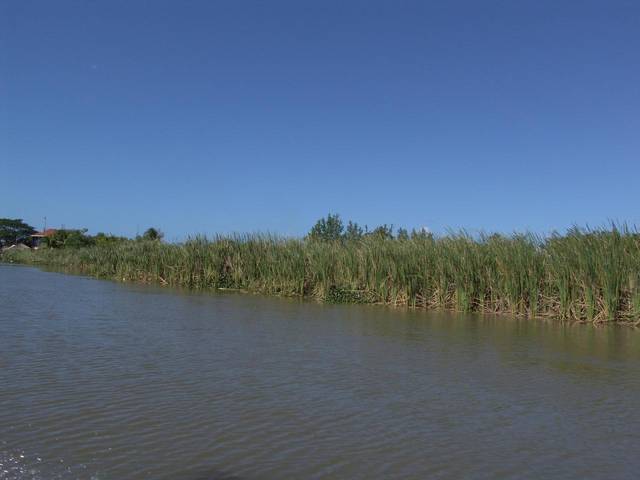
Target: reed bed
x=585 y=275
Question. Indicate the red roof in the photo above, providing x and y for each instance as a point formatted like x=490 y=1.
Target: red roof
x=47 y=233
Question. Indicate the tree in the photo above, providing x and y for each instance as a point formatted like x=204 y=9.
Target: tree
x=327 y=229
x=78 y=238
x=383 y=231
x=353 y=231
x=14 y=229
x=102 y=239
x=69 y=239
x=422 y=234
x=152 y=234
x=402 y=234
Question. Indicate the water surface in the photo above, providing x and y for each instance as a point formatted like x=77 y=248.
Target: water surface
x=101 y=380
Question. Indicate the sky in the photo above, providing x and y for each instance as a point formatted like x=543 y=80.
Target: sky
x=263 y=116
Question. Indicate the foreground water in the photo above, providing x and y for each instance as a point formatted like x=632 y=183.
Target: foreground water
x=100 y=380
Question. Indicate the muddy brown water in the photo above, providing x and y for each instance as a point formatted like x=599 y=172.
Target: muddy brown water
x=103 y=380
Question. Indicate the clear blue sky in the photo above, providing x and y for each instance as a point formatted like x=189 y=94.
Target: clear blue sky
x=202 y=116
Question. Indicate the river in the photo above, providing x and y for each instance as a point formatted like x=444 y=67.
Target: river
x=104 y=380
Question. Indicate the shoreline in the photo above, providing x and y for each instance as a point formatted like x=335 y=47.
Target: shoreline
x=488 y=314
x=327 y=273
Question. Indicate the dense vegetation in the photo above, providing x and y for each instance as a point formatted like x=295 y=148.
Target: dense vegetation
x=65 y=238
x=14 y=229
x=590 y=275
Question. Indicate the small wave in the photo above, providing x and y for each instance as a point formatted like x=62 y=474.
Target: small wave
x=16 y=466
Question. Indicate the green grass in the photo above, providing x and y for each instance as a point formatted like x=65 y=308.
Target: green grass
x=589 y=275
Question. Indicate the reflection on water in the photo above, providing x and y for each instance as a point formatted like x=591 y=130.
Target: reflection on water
x=110 y=381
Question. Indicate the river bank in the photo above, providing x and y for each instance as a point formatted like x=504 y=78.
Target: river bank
x=591 y=276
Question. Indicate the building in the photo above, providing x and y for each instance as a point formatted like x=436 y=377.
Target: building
x=36 y=238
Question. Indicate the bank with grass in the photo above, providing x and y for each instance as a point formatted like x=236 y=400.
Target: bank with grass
x=584 y=275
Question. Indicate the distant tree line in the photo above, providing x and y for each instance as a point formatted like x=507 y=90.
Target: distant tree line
x=16 y=231
x=326 y=229
x=64 y=238
x=332 y=228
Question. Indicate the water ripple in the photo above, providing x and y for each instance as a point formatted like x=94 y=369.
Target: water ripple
x=107 y=381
